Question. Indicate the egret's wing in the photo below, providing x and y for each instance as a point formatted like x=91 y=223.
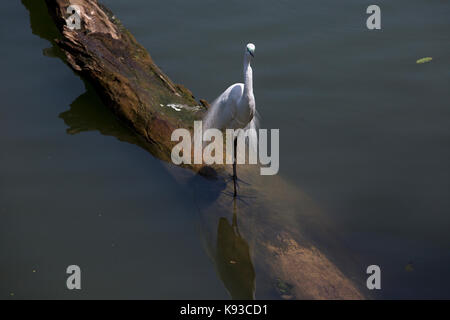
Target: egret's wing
x=218 y=115
x=223 y=109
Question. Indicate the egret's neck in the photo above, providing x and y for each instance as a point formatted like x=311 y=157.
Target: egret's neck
x=248 y=77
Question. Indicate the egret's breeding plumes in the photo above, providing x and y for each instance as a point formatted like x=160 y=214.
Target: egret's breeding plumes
x=235 y=107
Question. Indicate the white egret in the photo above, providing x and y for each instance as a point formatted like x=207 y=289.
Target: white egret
x=235 y=107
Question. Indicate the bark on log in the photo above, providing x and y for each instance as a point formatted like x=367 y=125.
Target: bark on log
x=271 y=234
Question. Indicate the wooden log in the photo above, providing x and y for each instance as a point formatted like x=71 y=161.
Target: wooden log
x=270 y=237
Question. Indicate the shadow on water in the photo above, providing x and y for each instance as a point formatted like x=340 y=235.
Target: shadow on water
x=42 y=26
x=273 y=243
x=87 y=112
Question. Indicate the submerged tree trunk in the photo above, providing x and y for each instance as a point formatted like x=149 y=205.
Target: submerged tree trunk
x=270 y=236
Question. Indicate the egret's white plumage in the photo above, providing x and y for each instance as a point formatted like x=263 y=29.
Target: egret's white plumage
x=235 y=107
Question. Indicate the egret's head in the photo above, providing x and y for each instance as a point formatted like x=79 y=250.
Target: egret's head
x=251 y=49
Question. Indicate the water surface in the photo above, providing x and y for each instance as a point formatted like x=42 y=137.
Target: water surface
x=364 y=133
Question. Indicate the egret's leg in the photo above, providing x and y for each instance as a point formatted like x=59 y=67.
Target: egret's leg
x=234 y=166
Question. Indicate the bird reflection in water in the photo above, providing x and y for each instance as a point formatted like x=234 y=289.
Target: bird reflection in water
x=233 y=260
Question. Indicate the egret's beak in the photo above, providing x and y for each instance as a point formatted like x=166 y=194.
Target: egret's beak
x=250 y=53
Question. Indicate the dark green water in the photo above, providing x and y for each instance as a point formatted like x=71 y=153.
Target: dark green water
x=364 y=131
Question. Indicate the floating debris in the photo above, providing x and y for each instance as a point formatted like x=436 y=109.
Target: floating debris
x=424 y=60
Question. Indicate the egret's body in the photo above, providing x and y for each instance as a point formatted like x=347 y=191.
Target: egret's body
x=235 y=107
x=233 y=111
